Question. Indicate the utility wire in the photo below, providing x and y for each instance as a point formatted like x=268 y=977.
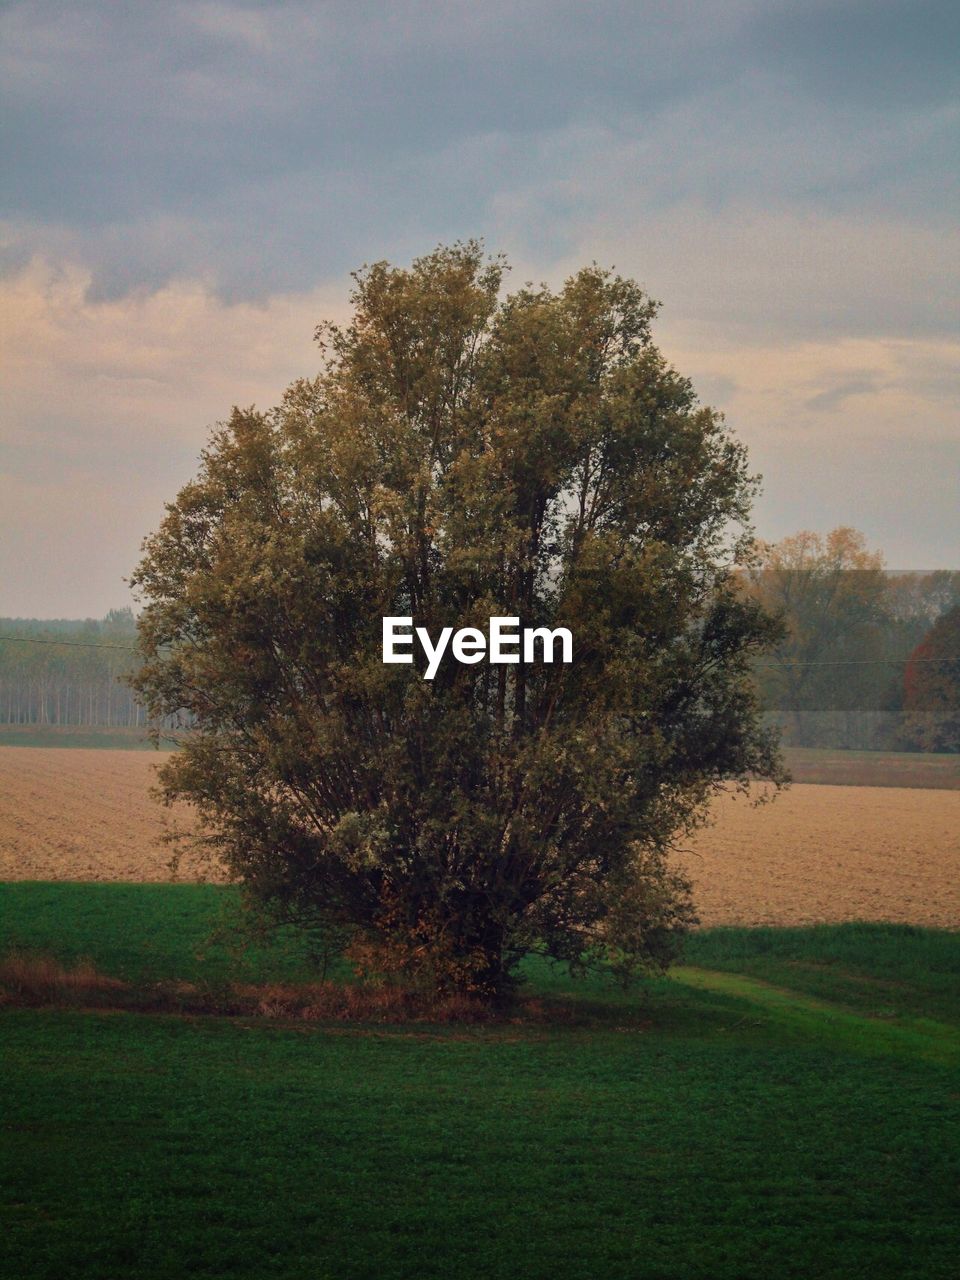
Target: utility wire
x=846 y=662
x=764 y=666
x=79 y=644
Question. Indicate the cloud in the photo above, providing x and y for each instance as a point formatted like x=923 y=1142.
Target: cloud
x=883 y=53
x=139 y=378
x=106 y=408
x=188 y=185
x=861 y=432
x=750 y=272
x=835 y=396
x=173 y=103
x=108 y=405
x=266 y=148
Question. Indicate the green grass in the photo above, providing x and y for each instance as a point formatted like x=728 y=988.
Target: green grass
x=143 y=932
x=881 y=970
x=757 y=1115
x=69 y=735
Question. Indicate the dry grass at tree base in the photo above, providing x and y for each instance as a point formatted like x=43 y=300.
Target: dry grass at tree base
x=35 y=981
x=817 y=853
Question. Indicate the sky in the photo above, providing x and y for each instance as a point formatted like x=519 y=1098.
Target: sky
x=187 y=186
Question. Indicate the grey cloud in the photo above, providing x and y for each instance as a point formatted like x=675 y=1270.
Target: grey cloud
x=883 y=53
x=901 y=493
x=835 y=396
x=780 y=172
x=264 y=147
x=136 y=105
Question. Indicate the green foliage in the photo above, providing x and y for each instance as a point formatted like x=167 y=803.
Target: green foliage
x=460 y=457
x=727 y=1152
x=149 y=933
x=833 y=594
x=878 y=969
x=146 y=933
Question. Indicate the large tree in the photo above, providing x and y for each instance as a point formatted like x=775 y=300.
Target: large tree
x=461 y=456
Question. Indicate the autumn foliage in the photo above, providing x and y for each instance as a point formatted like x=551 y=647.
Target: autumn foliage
x=932 y=687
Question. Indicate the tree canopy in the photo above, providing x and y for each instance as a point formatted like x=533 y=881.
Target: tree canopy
x=932 y=687
x=461 y=455
x=837 y=677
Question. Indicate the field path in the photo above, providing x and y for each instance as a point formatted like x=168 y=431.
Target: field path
x=817 y=853
x=909 y=1038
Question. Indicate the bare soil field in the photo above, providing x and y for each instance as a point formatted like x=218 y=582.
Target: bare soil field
x=84 y=814
x=817 y=853
x=822 y=853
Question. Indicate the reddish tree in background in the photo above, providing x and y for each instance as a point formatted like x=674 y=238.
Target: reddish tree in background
x=932 y=687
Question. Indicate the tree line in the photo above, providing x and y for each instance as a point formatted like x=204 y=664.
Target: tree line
x=870 y=659
x=69 y=671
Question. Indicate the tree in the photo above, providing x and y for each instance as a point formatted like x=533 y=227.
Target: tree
x=918 y=599
x=932 y=687
x=834 y=598
x=461 y=457
x=63 y=671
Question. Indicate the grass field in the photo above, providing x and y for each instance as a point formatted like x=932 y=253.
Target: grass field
x=87 y=737
x=787 y=1104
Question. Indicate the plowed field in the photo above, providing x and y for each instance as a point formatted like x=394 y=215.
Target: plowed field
x=817 y=853
x=84 y=814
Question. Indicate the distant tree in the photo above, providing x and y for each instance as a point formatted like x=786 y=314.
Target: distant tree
x=932 y=687
x=65 y=671
x=834 y=598
x=460 y=457
x=918 y=598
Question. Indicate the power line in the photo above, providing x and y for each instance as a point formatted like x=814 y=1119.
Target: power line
x=847 y=662
x=764 y=666
x=79 y=644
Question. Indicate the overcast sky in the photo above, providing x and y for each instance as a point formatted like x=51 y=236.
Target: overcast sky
x=187 y=186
